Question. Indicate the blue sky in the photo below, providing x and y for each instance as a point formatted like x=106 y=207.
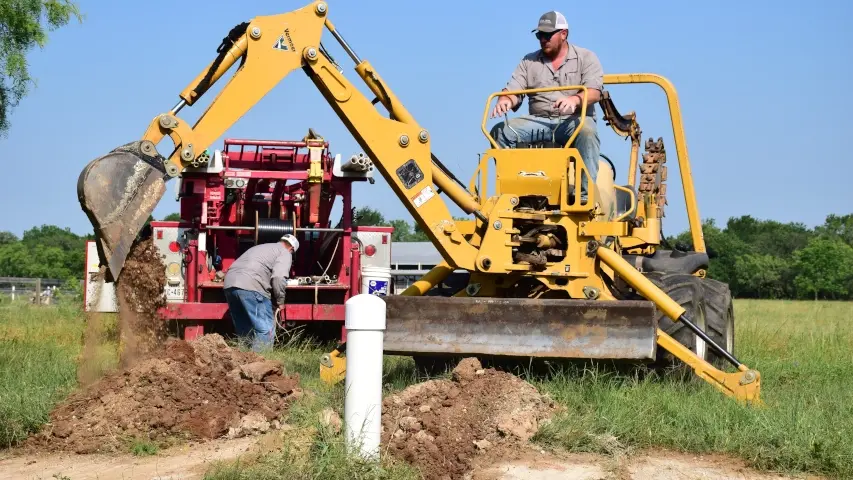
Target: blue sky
x=764 y=90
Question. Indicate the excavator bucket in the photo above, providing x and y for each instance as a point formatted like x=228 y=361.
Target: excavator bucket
x=520 y=327
x=118 y=192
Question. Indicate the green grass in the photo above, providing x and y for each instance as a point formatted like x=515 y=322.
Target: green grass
x=38 y=349
x=803 y=351
x=142 y=448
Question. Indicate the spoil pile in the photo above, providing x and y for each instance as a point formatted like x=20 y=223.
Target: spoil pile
x=443 y=427
x=190 y=390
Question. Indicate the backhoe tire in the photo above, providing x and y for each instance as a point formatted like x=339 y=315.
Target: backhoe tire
x=689 y=292
x=720 y=318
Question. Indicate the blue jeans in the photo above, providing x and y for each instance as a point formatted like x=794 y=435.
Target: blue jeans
x=529 y=127
x=252 y=314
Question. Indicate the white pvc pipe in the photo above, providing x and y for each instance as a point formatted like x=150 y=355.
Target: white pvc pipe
x=365 y=324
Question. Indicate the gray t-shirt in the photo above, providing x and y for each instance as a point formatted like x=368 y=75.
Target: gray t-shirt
x=263 y=268
x=580 y=67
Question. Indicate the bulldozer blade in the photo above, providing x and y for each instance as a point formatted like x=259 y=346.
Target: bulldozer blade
x=521 y=327
x=118 y=192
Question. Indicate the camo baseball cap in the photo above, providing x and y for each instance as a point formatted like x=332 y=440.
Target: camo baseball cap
x=551 y=21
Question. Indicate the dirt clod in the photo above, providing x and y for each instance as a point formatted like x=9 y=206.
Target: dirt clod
x=443 y=426
x=189 y=390
x=331 y=420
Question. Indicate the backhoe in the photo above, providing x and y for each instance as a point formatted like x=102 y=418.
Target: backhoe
x=551 y=274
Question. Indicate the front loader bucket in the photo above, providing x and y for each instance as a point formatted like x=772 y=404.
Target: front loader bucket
x=118 y=192
x=520 y=327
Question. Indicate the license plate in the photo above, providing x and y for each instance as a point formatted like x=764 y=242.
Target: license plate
x=175 y=292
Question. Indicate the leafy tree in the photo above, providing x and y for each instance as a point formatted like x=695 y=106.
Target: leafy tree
x=172 y=217
x=52 y=236
x=23 y=25
x=838 y=226
x=769 y=236
x=367 y=216
x=418 y=235
x=402 y=231
x=7 y=237
x=824 y=269
x=760 y=276
x=47 y=251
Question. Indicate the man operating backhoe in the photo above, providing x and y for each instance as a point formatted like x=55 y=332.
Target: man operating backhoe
x=556 y=63
x=251 y=282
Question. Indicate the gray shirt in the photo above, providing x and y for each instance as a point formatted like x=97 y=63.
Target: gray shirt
x=263 y=268
x=580 y=67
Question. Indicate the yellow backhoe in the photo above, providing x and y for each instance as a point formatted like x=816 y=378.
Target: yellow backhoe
x=551 y=274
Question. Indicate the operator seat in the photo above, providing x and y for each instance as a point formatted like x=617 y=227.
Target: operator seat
x=613 y=200
x=624 y=203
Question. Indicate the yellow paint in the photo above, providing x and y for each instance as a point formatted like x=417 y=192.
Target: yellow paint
x=743 y=385
x=680 y=146
x=333 y=367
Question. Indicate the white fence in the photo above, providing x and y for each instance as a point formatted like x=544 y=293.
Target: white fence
x=34 y=290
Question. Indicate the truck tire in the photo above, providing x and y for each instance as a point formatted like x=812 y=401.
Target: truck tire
x=720 y=318
x=688 y=291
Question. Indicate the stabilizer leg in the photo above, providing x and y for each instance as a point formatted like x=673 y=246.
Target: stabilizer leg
x=744 y=385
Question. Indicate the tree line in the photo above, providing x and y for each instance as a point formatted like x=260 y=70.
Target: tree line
x=770 y=259
x=757 y=258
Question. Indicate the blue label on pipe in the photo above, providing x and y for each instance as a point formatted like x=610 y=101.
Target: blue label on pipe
x=378 y=287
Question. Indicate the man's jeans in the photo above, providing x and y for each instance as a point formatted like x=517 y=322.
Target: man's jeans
x=529 y=127
x=252 y=314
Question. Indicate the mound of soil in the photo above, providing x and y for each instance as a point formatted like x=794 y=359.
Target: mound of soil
x=190 y=390
x=444 y=426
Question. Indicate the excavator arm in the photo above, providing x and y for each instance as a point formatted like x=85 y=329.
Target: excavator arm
x=269 y=48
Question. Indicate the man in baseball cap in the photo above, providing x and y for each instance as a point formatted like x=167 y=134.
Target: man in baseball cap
x=551 y=22
x=251 y=283
x=557 y=63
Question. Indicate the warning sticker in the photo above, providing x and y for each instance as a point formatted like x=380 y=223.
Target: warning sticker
x=422 y=197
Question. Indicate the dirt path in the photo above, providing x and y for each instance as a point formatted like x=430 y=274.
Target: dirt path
x=656 y=465
x=191 y=462
x=184 y=463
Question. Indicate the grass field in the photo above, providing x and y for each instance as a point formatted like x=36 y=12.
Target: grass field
x=802 y=350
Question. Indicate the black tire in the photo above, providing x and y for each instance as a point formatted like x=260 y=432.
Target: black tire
x=689 y=292
x=720 y=319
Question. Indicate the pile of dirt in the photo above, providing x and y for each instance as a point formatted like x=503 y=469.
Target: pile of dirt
x=444 y=427
x=196 y=390
x=140 y=294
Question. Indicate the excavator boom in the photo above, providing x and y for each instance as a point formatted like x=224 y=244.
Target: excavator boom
x=530 y=240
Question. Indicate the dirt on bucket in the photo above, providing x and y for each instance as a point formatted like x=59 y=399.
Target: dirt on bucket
x=195 y=390
x=446 y=427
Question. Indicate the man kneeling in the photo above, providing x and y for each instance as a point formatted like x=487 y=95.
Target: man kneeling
x=252 y=281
